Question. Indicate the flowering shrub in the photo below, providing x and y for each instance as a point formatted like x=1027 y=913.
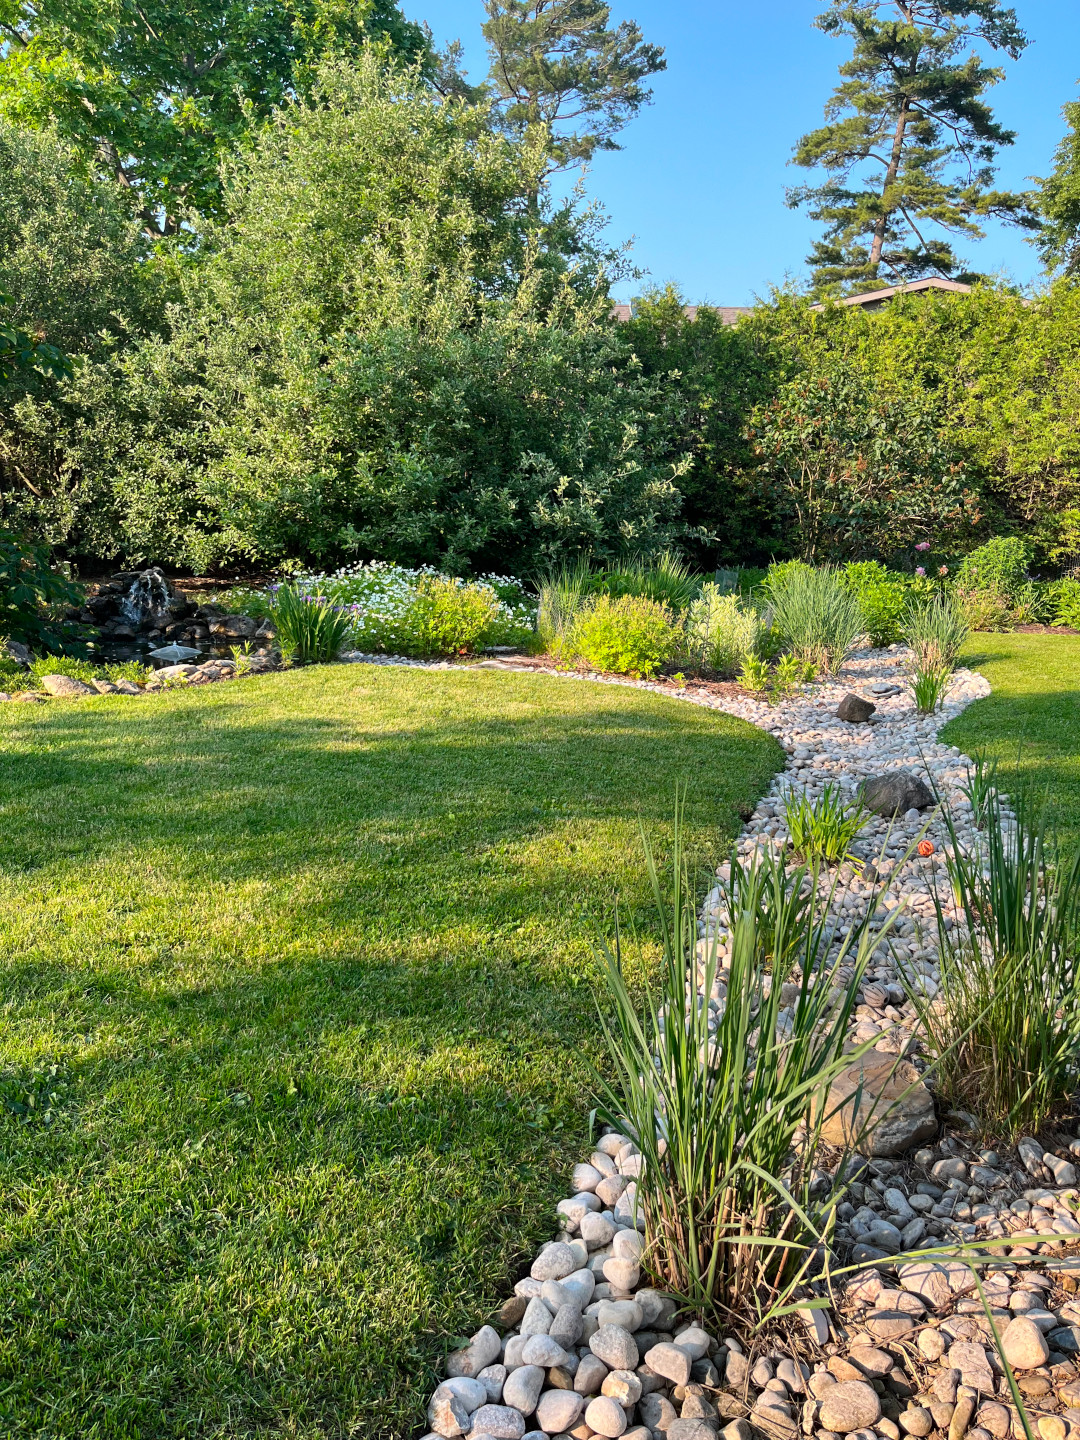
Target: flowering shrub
x=630 y=635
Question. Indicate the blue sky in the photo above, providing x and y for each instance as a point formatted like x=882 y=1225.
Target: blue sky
x=699 y=184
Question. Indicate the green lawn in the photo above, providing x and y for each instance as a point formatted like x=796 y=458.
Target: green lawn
x=311 y=956
x=1032 y=720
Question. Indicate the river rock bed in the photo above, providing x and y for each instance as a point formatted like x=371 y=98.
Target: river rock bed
x=586 y=1348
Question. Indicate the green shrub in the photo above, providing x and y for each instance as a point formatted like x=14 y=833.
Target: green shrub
x=10 y=670
x=62 y=665
x=450 y=616
x=630 y=635
x=936 y=629
x=754 y=674
x=666 y=579
x=817 y=616
x=31 y=594
x=721 y=631
x=882 y=596
x=309 y=631
x=999 y=567
x=1065 y=598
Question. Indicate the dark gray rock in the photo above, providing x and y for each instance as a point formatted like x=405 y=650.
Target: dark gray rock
x=855 y=710
x=895 y=792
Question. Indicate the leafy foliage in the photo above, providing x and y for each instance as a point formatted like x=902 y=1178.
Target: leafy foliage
x=1005 y=1033
x=449 y=617
x=822 y=829
x=882 y=597
x=1059 y=201
x=731 y=1224
x=561 y=73
x=155 y=96
x=936 y=629
x=309 y=630
x=721 y=631
x=929 y=687
x=31 y=592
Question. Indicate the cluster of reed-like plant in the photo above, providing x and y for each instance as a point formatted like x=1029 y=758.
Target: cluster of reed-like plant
x=1004 y=1030
x=728 y=1104
x=823 y=828
x=936 y=630
x=309 y=629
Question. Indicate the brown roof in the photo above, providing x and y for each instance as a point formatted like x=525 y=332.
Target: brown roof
x=874 y=297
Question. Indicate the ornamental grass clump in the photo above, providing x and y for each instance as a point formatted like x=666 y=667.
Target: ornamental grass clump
x=1004 y=1029
x=665 y=578
x=936 y=630
x=310 y=631
x=563 y=591
x=817 y=616
x=736 y=1217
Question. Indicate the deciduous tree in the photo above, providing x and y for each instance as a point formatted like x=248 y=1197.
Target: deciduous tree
x=1059 y=201
x=154 y=93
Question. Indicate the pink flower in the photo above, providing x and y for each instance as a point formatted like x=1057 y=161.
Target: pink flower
x=943 y=570
x=923 y=545
x=919 y=570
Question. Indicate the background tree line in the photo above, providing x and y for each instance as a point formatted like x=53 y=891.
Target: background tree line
x=321 y=304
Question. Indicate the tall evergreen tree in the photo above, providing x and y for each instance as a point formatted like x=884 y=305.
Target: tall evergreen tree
x=908 y=144
x=1059 y=201
x=152 y=93
x=561 y=70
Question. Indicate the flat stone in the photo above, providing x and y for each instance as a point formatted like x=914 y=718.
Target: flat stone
x=591 y=1373
x=499 y=1421
x=671 y=1362
x=522 y=1387
x=849 y=1405
x=970 y=1359
x=691 y=1430
x=554 y=1262
x=66 y=687
x=542 y=1350
x=895 y=1109
x=893 y=793
x=855 y=710
x=606 y=1416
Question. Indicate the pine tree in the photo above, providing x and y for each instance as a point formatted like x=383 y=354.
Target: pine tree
x=908 y=144
x=560 y=70
x=1059 y=201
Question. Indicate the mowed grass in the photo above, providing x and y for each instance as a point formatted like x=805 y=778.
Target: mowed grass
x=311 y=956
x=1031 y=722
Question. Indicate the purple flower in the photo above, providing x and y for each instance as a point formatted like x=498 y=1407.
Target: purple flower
x=923 y=545
x=919 y=570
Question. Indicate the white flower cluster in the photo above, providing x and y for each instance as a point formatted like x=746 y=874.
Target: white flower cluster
x=381 y=595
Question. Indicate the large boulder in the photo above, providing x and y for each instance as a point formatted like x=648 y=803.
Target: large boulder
x=855 y=710
x=14 y=650
x=880 y=1106
x=894 y=793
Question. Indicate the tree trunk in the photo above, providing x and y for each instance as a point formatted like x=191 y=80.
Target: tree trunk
x=890 y=179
